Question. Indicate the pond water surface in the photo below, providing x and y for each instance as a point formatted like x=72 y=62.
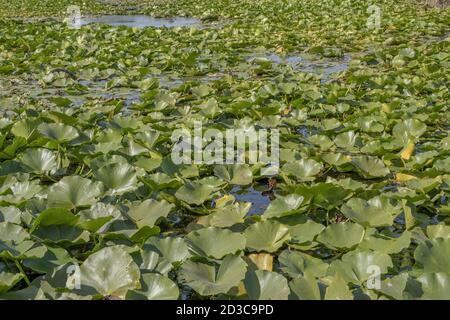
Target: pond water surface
x=141 y=21
x=326 y=67
x=259 y=199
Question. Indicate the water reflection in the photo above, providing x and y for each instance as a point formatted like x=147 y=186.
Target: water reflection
x=259 y=199
x=141 y=21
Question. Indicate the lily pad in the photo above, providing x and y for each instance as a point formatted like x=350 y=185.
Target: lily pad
x=111 y=271
x=215 y=242
x=266 y=236
x=73 y=191
x=210 y=278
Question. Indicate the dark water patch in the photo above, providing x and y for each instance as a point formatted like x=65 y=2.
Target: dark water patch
x=307 y=131
x=259 y=199
x=141 y=21
x=326 y=67
x=167 y=81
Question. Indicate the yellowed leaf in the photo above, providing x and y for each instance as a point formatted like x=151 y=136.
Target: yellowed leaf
x=402 y=177
x=407 y=151
x=226 y=199
x=263 y=261
x=386 y=108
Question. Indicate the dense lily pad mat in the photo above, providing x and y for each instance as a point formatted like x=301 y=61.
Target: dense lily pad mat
x=92 y=207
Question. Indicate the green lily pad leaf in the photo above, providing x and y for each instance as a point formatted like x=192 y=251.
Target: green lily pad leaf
x=73 y=191
x=10 y=214
x=227 y=216
x=118 y=177
x=215 y=242
x=58 y=132
x=148 y=138
x=12 y=232
x=148 y=164
x=395 y=286
x=283 y=206
x=96 y=218
x=159 y=181
x=338 y=289
x=54 y=216
x=434 y=255
x=201 y=90
x=337 y=159
x=342 y=235
x=305 y=232
x=149 y=211
x=304 y=169
x=368 y=124
x=171 y=249
x=443 y=165
x=356 y=266
x=212 y=278
x=387 y=244
x=266 y=285
x=296 y=263
x=323 y=195
x=194 y=193
x=22 y=191
x=266 y=236
x=148 y=260
x=26 y=249
x=321 y=141
x=154 y=287
x=346 y=140
x=39 y=161
x=438 y=231
x=8 y=280
x=239 y=174
x=62 y=235
x=370 y=167
x=408 y=129
x=111 y=271
x=53 y=257
x=435 y=286
x=25 y=128
x=377 y=212
x=305 y=287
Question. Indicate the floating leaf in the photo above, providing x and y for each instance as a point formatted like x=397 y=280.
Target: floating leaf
x=73 y=191
x=283 y=206
x=342 y=235
x=304 y=169
x=154 y=287
x=58 y=132
x=215 y=242
x=296 y=263
x=118 y=177
x=266 y=285
x=149 y=211
x=370 y=167
x=39 y=161
x=194 y=193
x=375 y=212
x=434 y=255
x=111 y=271
x=211 y=279
x=266 y=236
x=239 y=174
